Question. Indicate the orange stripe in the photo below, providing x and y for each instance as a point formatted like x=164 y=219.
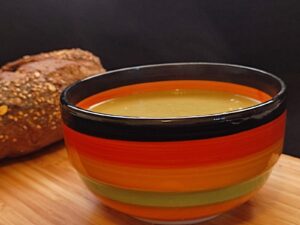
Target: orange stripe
x=169 y=85
x=177 y=179
x=178 y=153
x=171 y=214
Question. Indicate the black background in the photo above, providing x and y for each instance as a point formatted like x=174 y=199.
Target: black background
x=262 y=34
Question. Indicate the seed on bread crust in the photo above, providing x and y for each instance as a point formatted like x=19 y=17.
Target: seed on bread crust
x=3 y=110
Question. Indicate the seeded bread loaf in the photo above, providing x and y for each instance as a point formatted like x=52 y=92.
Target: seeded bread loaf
x=29 y=97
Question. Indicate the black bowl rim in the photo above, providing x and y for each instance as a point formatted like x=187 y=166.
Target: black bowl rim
x=87 y=114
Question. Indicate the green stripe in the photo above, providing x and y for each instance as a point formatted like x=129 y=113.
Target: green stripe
x=179 y=199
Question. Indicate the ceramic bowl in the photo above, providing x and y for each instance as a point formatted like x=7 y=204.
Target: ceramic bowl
x=175 y=170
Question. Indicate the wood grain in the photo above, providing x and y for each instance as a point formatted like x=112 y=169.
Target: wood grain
x=44 y=189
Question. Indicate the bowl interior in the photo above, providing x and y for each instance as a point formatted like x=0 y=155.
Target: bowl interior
x=258 y=79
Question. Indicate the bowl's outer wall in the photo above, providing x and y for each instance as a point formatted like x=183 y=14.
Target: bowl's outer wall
x=178 y=166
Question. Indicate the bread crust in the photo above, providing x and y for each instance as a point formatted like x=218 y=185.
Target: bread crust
x=29 y=97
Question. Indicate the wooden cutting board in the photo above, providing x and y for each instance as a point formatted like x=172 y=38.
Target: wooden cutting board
x=44 y=189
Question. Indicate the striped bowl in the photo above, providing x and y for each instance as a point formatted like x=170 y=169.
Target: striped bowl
x=175 y=170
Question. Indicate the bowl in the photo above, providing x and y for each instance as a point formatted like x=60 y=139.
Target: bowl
x=179 y=169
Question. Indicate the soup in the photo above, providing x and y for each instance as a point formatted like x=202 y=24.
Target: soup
x=166 y=99
x=174 y=103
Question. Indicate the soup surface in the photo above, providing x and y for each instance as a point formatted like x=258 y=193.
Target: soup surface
x=174 y=103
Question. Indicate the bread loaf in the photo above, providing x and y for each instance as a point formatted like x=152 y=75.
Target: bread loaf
x=29 y=97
